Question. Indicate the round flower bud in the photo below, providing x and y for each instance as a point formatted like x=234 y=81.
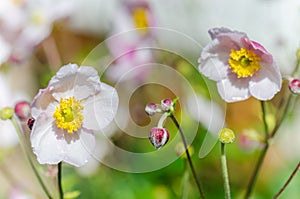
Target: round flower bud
x=30 y=123
x=226 y=136
x=151 y=109
x=166 y=104
x=294 y=86
x=158 y=137
x=22 y=110
x=6 y=113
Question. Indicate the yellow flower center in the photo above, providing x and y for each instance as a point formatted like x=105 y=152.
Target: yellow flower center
x=37 y=17
x=68 y=115
x=140 y=19
x=244 y=62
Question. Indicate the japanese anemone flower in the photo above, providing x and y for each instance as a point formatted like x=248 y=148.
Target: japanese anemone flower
x=67 y=112
x=241 y=67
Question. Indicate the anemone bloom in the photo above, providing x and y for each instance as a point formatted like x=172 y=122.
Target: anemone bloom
x=241 y=67
x=67 y=112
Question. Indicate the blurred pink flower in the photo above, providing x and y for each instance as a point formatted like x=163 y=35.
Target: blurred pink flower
x=25 y=23
x=131 y=40
x=67 y=112
x=241 y=67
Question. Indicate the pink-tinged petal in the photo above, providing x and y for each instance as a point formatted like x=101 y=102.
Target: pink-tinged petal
x=213 y=60
x=266 y=83
x=221 y=33
x=43 y=102
x=71 y=80
x=217 y=32
x=100 y=109
x=258 y=49
x=233 y=89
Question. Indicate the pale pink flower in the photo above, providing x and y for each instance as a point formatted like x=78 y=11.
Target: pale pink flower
x=67 y=112
x=241 y=67
x=131 y=40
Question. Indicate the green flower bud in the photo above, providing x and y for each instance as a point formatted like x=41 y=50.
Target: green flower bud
x=6 y=113
x=226 y=136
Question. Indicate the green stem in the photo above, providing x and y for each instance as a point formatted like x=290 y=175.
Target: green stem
x=225 y=172
x=61 y=193
x=288 y=181
x=264 y=117
x=188 y=155
x=262 y=155
x=20 y=135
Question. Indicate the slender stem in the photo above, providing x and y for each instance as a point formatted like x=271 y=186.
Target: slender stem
x=262 y=155
x=256 y=170
x=264 y=117
x=188 y=155
x=20 y=134
x=287 y=182
x=225 y=172
x=61 y=193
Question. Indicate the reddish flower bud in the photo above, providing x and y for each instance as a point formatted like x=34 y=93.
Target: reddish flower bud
x=22 y=110
x=294 y=86
x=151 y=109
x=158 y=137
x=166 y=104
x=30 y=123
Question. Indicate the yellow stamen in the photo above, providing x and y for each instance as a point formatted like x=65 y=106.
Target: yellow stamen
x=244 y=62
x=68 y=114
x=140 y=19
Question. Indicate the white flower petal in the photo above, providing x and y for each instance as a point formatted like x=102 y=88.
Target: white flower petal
x=53 y=145
x=77 y=151
x=266 y=83
x=71 y=80
x=44 y=142
x=233 y=89
x=100 y=109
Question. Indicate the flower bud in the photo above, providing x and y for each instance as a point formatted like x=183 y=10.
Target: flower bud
x=166 y=104
x=22 y=110
x=294 y=86
x=151 y=109
x=226 y=136
x=30 y=123
x=158 y=137
x=6 y=113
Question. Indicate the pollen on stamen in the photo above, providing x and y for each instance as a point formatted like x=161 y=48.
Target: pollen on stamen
x=244 y=63
x=68 y=114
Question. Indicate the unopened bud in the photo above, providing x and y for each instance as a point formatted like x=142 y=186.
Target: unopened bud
x=30 y=123
x=294 y=86
x=226 y=136
x=166 y=104
x=151 y=109
x=6 y=113
x=22 y=110
x=158 y=137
